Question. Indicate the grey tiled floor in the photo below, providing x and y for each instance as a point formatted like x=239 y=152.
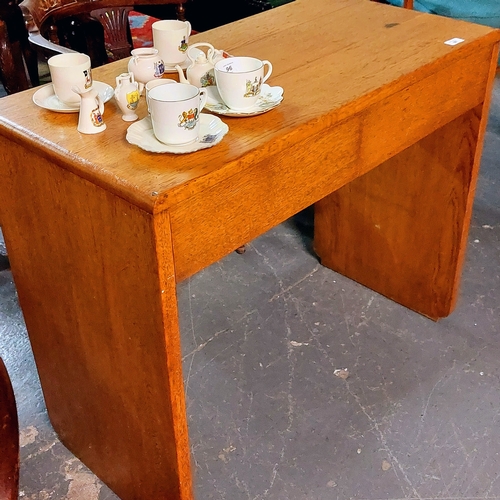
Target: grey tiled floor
x=263 y=333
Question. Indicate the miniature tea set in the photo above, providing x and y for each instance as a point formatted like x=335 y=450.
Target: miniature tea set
x=223 y=84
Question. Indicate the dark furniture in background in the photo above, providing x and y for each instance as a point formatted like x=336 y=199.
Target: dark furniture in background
x=18 y=61
x=99 y=28
x=9 y=439
x=205 y=15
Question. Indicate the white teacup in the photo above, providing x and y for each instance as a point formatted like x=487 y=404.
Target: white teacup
x=175 y=112
x=239 y=80
x=68 y=71
x=156 y=83
x=171 y=39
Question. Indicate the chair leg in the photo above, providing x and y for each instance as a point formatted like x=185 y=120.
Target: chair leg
x=181 y=12
x=9 y=439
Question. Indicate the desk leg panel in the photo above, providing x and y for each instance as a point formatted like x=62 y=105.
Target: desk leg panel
x=401 y=229
x=95 y=279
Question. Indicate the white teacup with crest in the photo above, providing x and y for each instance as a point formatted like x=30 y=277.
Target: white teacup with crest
x=67 y=71
x=239 y=80
x=175 y=112
x=170 y=38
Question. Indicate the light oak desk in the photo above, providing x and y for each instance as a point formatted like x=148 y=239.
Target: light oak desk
x=381 y=127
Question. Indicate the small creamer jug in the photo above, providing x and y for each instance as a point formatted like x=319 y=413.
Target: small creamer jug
x=127 y=96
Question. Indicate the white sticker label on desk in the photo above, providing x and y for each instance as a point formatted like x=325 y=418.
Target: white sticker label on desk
x=454 y=41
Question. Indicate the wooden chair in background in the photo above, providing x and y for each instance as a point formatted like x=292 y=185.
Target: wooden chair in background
x=104 y=22
x=18 y=61
x=9 y=439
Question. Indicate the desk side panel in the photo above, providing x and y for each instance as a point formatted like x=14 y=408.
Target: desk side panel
x=101 y=315
x=398 y=228
x=401 y=229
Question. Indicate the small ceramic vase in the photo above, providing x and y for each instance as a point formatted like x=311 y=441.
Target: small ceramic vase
x=146 y=65
x=90 y=120
x=127 y=96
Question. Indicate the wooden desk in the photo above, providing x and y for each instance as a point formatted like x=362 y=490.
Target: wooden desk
x=381 y=127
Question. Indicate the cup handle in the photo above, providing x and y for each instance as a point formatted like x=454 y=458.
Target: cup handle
x=269 y=71
x=100 y=103
x=203 y=98
x=188 y=24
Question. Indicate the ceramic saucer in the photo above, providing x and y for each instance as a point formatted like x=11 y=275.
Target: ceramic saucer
x=45 y=98
x=269 y=98
x=212 y=130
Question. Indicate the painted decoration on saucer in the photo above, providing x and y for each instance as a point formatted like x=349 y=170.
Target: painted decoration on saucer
x=269 y=98
x=212 y=130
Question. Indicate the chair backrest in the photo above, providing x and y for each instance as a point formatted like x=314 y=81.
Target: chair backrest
x=44 y=20
x=9 y=439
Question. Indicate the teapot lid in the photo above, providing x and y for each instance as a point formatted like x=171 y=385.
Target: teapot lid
x=201 y=58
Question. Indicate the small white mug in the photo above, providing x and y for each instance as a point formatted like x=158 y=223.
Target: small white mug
x=156 y=83
x=170 y=38
x=239 y=80
x=175 y=112
x=67 y=71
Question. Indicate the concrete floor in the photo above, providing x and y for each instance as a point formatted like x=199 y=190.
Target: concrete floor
x=263 y=335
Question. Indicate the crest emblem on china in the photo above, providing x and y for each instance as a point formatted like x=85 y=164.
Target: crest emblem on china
x=88 y=78
x=208 y=79
x=159 y=68
x=132 y=99
x=253 y=88
x=96 y=117
x=188 y=119
x=183 y=46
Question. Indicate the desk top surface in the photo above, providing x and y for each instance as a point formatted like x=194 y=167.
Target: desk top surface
x=333 y=58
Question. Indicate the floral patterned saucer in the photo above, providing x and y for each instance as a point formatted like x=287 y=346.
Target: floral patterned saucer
x=269 y=98
x=212 y=130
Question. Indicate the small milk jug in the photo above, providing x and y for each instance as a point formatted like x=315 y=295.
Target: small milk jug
x=90 y=120
x=127 y=96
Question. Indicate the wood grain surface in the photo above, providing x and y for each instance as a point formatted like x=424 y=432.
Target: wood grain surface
x=364 y=52
x=381 y=126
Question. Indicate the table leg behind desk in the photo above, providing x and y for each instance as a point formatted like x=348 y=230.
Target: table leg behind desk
x=401 y=229
x=96 y=284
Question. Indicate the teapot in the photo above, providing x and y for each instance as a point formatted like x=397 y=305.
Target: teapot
x=91 y=110
x=201 y=70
